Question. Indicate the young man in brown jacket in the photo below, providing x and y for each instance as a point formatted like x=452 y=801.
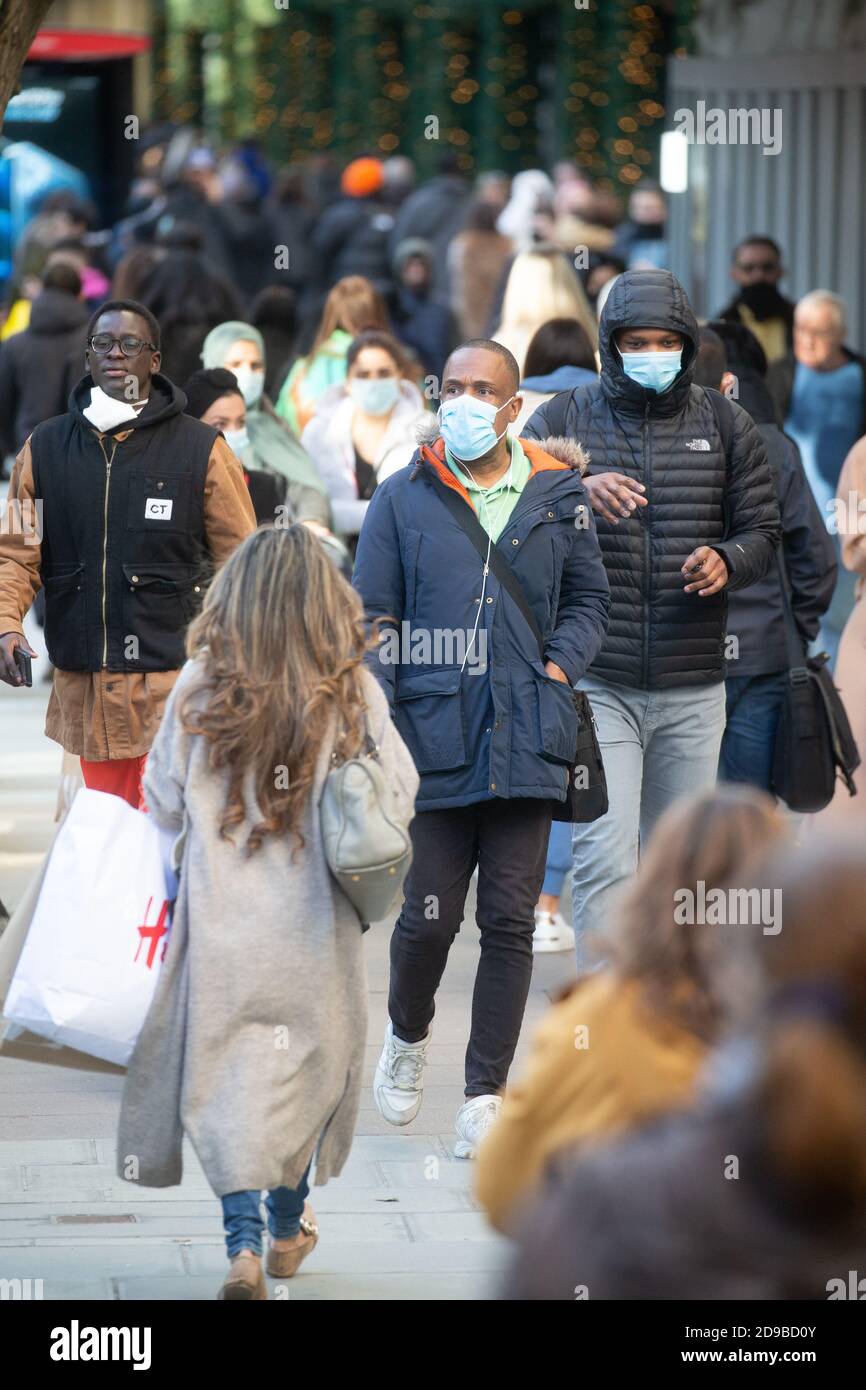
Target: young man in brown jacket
x=120 y=509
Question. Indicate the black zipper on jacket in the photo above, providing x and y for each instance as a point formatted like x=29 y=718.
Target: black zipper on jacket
x=646 y=551
x=108 y=462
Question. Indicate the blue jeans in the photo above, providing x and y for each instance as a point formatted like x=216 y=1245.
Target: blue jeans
x=753 y=706
x=657 y=745
x=558 y=858
x=242 y=1216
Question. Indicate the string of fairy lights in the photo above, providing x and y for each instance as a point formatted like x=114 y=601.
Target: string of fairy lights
x=332 y=75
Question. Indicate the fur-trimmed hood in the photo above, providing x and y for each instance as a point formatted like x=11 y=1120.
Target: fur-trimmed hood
x=566 y=451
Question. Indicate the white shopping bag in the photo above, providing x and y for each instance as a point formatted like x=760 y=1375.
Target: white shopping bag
x=88 y=968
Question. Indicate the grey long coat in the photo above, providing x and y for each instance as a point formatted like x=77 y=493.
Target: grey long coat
x=254 y=1042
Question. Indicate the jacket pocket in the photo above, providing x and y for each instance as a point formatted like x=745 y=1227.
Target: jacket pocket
x=66 y=617
x=410 y=544
x=159 y=602
x=557 y=720
x=430 y=718
x=158 y=502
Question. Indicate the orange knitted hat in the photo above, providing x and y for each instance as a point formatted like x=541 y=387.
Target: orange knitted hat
x=362 y=177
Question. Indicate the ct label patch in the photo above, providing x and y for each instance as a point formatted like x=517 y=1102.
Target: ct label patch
x=158 y=508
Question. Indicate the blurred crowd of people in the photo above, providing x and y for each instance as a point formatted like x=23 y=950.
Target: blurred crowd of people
x=307 y=315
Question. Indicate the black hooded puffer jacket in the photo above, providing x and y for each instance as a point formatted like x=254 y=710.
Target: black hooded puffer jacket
x=659 y=636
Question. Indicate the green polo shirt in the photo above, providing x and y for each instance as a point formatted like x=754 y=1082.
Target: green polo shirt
x=494 y=505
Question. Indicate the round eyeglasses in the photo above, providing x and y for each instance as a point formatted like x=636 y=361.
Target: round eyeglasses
x=102 y=343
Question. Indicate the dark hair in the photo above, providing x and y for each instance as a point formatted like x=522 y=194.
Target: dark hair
x=741 y=346
x=180 y=235
x=274 y=313
x=448 y=162
x=489 y=345
x=68 y=201
x=481 y=217
x=647 y=186
x=374 y=337
x=558 y=343
x=711 y=362
x=289 y=184
x=69 y=243
x=757 y=240
x=127 y=306
x=276 y=306
x=600 y=258
x=133 y=269
x=62 y=275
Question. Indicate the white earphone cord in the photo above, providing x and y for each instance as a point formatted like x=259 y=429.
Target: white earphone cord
x=482 y=499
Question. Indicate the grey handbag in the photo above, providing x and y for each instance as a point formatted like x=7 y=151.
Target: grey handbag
x=366 y=835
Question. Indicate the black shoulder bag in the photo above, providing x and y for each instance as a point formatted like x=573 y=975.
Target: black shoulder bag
x=582 y=803
x=814 y=738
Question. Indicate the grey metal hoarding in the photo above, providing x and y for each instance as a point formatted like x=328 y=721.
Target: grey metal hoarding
x=811 y=196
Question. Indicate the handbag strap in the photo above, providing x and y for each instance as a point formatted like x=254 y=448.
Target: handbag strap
x=491 y=554
x=793 y=640
x=370 y=747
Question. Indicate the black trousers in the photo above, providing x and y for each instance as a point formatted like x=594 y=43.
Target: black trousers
x=508 y=842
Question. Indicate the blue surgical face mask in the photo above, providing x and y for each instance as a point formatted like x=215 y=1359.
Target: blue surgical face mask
x=251 y=381
x=237 y=440
x=375 y=395
x=654 y=370
x=467 y=426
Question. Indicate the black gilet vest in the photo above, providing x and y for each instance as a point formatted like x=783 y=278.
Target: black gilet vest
x=124 y=551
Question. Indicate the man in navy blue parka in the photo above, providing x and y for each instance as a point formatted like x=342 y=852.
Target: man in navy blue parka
x=489 y=721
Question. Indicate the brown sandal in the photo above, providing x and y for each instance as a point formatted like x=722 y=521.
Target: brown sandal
x=245 y=1281
x=282 y=1264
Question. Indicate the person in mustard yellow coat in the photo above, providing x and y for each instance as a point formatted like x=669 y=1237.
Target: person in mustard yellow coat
x=628 y=1042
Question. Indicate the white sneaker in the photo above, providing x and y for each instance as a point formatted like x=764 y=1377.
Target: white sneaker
x=474 y=1119
x=552 y=933
x=398 y=1084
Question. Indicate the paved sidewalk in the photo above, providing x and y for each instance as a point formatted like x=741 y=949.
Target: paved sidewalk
x=399 y=1223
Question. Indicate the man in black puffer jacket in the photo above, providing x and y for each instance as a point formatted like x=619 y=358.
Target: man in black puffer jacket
x=681 y=518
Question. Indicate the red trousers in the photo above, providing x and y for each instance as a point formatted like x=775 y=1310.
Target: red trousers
x=120 y=776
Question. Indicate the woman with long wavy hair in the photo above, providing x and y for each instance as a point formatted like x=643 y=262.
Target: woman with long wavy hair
x=352 y=306
x=254 y=1044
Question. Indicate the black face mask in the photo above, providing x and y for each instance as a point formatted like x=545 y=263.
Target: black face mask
x=763 y=300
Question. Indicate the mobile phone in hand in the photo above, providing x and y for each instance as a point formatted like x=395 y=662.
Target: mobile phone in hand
x=24 y=664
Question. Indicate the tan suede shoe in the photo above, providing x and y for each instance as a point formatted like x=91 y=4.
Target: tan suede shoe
x=245 y=1280
x=282 y=1264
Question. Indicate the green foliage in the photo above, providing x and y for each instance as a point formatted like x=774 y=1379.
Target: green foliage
x=510 y=84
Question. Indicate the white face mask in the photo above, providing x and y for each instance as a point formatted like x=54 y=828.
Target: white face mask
x=252 y=383
x=104 y=412
x=237 y=440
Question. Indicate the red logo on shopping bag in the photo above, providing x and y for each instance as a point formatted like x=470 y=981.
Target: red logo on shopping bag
x=153 y=934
